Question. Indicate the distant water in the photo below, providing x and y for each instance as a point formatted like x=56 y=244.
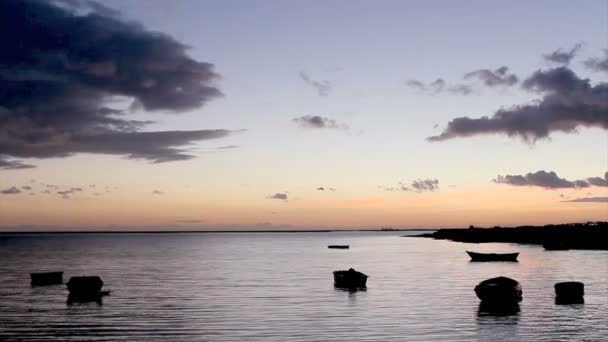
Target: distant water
x=279 y=287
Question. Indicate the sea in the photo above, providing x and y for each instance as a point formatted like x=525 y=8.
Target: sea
x=279 y=287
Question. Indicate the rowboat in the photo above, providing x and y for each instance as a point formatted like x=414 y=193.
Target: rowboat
x=339 y=246
x=493 y=256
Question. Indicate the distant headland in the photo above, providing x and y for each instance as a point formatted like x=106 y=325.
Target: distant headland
x=590 y=235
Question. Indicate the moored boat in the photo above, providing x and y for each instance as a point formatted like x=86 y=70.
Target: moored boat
x=499 y=291
x=46 y=278
x=338 y=246
x=350 y=279
x=493 y=256
x=85 y=289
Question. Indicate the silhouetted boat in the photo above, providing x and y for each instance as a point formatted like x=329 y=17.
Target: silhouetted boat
x=84 y=289
x=339 y=246
x=493 y=256
x=47 y=278
x=350 y=279
x=569 y=292
x=499 y=291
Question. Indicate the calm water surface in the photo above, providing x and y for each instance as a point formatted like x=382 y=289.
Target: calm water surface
x=279 y=287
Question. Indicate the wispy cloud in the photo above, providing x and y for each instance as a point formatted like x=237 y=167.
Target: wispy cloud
x=493 y=78
x=13 y=190
x=319 y=122
x=563 y=56
x=322 y=87
x=439 y=86
x=420 y=185
x=589 y=200
x=157 y=192
x=279 y=196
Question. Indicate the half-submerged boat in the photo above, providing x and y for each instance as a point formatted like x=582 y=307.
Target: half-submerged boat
x=339 y=246
x=499 y=290
x=350 y=279
x=85 y=289
x=493 y=256
x=47 y=278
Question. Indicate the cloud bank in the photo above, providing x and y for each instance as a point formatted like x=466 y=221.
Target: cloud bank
x=64 y=73
x=550 y=180
x=567 y=103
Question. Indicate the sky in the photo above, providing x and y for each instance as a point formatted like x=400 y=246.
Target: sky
x=238 y=115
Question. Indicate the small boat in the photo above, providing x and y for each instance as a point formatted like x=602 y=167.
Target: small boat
x=47 y=278
x=84 y=289
x=499 y=291
x=350 y=279
x=493 y=256
x=569 y=292
x=339 y=246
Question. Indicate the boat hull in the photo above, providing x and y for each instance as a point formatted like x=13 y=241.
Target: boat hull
x=512 y=257
x=47 y=278
x=338 y=246
x=350 y=279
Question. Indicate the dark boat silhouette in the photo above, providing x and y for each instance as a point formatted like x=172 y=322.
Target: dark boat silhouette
x=339 y=246
x=499 y=291
x=85 y=289
x=493 y=256
x=47 y=278
x=350 y=279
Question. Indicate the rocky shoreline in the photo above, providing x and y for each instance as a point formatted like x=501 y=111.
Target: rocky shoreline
x=590 y=235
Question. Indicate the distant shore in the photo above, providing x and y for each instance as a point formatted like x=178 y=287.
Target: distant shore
x=590 y=235
x=208 y=231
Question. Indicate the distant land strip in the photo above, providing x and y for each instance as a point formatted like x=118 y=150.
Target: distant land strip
x=590 y=235
x=12 y=232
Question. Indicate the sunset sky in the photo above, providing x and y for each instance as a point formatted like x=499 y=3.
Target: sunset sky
x=223 y=115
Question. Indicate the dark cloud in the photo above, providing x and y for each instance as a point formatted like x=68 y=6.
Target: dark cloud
x=323 y=87
x=228 y=147
x=13 y=164
x=440 y=86
x=69 y=192
x=420 y=185
x=157 y=192
x=568 y=102
x=561 y=56
x=26 y=187
x=598 y=64
x=493 y=78
x=549 y=180
x=63 y=69
x=10 y=191
x=316 y=121
x=321 y=188
x=590 y=200
x=280 y=196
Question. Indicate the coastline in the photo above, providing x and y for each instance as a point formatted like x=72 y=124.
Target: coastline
x=590 y=235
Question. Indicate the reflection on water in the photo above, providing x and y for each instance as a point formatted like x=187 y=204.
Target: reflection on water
x=279 y=287
x=498 y=310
